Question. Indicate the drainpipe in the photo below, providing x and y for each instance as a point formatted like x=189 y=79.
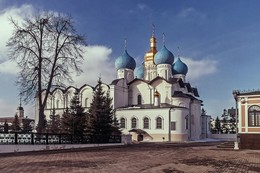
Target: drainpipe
x=169 y=137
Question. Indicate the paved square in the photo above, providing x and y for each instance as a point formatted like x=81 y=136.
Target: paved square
x=145 y=158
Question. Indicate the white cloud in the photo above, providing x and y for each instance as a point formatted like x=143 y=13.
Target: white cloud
x=6 y=29
x=200 y=68
x=96 y=62
x=142 y=6
x=191 y=13
x=9 y=67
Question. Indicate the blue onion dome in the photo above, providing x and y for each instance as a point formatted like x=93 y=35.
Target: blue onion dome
x=164 y=56
x=125 y=61
x=179 y=67
x=139 y=72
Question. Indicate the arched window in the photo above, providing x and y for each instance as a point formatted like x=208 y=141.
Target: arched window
x=146 y=123
x=254 y=116
x=86 y=102
x=57 y=103
x=133 y=123
x=122 y=123
x=139 y=99
x=158 y=122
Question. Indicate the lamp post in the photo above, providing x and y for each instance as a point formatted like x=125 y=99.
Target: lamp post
x=235 y=92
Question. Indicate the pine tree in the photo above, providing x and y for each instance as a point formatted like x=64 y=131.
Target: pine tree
x=26 y=125
x=54 y=124
x=67 y=123
x=16 y=126
x=217 y=125
x=100 y=118
x=233 y=121
x=225 y=122
x=74 y=120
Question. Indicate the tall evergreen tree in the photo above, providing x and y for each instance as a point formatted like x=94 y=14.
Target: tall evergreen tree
x=26 y=125
x=225 y=122
x=217 y=125
x=100 y=118
x=54 y=124
x=233 y=120
x=74 y=120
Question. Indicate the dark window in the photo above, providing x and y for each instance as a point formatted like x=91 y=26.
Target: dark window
x=133 y=122
x=159 y=123
x=139 y=99
x=254 y=116
x=173 y=125
x=146 y=123
x=187 y=122
x=122 y=123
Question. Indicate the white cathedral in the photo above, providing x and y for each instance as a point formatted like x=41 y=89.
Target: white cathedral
x=152 y=102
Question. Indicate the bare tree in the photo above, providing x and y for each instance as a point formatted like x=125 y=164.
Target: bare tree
x=48 y=49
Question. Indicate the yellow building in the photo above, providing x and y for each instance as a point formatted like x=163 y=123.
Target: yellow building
x=248 y=106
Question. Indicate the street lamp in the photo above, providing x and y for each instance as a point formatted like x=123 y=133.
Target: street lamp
x=235 y=93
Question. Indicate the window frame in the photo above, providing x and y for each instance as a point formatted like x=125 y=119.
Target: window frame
x=254 y=116
x=123 y=127
x=139 y=99
x=159 y=124
x=146 y=125
x=133 y=123
x=173 y=125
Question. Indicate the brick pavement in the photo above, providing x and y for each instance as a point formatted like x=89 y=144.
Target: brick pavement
x=145 y=158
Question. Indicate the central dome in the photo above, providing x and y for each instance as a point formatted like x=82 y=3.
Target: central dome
x=164 y=56
x=125 y=61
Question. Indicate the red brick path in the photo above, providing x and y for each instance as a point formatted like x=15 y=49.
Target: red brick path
x=145 y=158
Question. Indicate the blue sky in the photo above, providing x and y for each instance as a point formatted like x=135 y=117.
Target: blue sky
x=218 y=39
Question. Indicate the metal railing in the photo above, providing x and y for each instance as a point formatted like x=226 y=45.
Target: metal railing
x=47 y=138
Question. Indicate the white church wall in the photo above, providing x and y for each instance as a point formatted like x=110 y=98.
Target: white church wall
x=143 y=89
x=119 y=94
x=177 y=115
x=164 y=88
x=196 y=120
x=181 y=101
